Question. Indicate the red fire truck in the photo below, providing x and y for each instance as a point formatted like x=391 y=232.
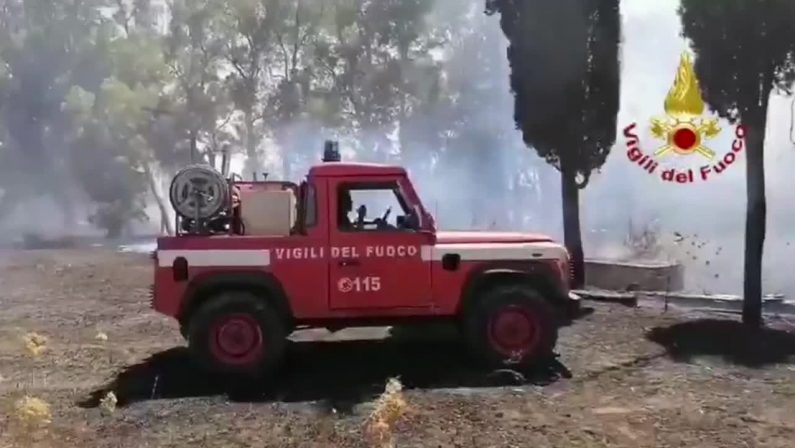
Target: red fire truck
x=254 y=260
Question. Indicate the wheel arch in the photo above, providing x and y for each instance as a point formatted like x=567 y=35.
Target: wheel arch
x=535 y=274
x=263 y=284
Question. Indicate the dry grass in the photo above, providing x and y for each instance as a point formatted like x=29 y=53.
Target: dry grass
x=27 y=424
x=29 y=417
x=33 y=412
x=615 y=398
x=35 y=343
x=108 y=403
x=390 y=407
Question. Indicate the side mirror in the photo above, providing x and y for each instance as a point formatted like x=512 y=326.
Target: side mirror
x=412 y=220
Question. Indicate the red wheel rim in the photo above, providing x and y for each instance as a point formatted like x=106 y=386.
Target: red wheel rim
x=514 y=331
x=236 y=339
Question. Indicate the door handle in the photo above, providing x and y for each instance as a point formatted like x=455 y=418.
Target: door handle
x=349 y=262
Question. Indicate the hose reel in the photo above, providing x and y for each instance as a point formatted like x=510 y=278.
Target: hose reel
x=199 y=192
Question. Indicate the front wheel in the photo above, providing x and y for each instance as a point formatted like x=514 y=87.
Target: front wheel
x=511 y=326
x=237 y=333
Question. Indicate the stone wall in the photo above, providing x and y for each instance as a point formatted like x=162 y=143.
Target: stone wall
x=634 y=276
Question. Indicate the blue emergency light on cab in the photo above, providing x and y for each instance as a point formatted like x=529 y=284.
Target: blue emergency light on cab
x=331 y=151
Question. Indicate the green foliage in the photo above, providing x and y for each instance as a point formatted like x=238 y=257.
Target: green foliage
x=738 y=45
x=564 y=59
x=477 y=131
x=109 y=144
x=46 y=48
x=94 y=96
x=574 y=75
x=194 y=50
x=72 y=91
x=375 y=66
x=744 y=50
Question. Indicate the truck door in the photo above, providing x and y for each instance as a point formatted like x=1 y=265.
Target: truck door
x=375 y=260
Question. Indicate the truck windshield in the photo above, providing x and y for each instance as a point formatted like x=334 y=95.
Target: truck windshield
x=372 y=206
x=410 y=194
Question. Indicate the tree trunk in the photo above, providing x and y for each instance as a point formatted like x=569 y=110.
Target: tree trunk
x=252 y=158
x=63 y=196
x=114 y=228
x=212 y=159
x=755 y=217
x=193 y=141
x=285 y=141
x=283 y=138
x=571 y=222
x=286 y=171
x=165 y=219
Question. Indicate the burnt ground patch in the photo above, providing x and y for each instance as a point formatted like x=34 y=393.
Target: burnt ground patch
x=666 y=403
x=728 y=339
x=339 y=374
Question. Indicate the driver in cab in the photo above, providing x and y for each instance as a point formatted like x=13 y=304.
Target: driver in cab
x=345 y=204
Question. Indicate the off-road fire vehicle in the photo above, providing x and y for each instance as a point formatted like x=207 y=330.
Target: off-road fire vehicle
x=255 y=260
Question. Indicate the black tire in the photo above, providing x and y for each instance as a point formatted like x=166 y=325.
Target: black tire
x=531 y=322
x=237 y=333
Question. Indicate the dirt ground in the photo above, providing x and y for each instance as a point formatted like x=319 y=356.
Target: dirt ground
x=625 y=377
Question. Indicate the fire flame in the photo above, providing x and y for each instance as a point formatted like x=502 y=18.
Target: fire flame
x=684 y=97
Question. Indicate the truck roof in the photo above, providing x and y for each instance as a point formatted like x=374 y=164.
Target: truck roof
x=345 y=169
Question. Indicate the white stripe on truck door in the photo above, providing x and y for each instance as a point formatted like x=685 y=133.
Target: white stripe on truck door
x=467 y=251
x=216 y=257
x=495 y=251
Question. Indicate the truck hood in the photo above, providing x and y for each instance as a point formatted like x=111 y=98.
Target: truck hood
x=454 y=237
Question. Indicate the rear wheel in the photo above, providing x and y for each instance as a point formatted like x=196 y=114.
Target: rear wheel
x=237 y=333
x=511 y=325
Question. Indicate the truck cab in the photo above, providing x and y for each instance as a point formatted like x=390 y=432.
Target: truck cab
x=354 y=245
